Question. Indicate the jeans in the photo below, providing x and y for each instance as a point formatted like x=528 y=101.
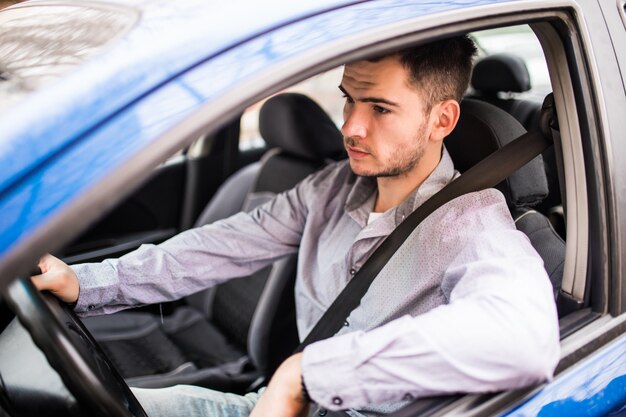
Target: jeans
x=192 y=401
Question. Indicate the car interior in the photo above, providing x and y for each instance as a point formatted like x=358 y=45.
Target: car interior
x=219 y=338
x=232 y=337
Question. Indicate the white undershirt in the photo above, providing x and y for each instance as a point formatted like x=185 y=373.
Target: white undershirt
x=373 y=216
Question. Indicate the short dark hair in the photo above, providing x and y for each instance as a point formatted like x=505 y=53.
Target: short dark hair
x=441 y=69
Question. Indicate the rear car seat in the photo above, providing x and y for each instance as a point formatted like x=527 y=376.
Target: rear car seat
x=204 y=340
x=496 y=76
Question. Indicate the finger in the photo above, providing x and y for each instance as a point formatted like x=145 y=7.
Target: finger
x=47 y=262
x=39 y=283
x=47 y=281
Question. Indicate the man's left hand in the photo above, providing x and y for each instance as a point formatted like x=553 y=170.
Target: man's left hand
x=283 y=396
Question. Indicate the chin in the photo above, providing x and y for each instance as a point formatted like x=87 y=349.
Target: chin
x=361 y=172
x=359 y=169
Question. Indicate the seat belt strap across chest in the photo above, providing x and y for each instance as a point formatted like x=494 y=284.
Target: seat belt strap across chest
x=486 y=174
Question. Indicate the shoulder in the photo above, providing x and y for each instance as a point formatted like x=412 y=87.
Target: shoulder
x=480 y=210
x=479 y=226
x=481 y=223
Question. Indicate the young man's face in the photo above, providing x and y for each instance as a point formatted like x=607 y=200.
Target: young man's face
x=385 y=127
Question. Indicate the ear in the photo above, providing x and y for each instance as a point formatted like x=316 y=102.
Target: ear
x=445 y=116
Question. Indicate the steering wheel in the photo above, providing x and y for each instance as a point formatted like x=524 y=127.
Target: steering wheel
x=72 y=351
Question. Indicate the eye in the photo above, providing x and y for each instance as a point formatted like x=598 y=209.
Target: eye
x=381 y=110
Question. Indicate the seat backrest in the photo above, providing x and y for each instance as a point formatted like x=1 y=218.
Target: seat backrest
x=484 y=128
x=301 y=138
x=500 y=74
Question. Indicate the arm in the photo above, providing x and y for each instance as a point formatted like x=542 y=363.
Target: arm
x=193 y=260
x=499 y=331
x=488 y=346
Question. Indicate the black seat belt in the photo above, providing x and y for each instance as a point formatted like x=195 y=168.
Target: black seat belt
x=486 y=174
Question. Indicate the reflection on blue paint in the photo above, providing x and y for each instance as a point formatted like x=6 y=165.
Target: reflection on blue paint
x=603 y=403
x=595 y=387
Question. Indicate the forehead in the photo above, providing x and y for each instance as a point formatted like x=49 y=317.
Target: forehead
x=385 y=73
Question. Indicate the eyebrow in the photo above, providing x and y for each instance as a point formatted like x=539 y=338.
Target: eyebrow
x=370 y=99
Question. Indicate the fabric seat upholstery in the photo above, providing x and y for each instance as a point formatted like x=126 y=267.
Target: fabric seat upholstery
x=497 y=75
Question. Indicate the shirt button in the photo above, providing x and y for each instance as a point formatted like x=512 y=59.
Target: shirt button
x=345 y=323
x=407 y=397
x=352 y=271
x=337 y=401
x=322 y=412
x=91 y=307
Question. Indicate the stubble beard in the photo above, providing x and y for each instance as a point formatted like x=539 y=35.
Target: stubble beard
x=401 y=161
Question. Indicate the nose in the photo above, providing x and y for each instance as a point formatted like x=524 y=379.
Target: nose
x=355 y=122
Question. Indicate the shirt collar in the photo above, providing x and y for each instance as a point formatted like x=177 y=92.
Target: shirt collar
x=360 y=200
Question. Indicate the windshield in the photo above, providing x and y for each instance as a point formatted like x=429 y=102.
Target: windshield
x=42 y=42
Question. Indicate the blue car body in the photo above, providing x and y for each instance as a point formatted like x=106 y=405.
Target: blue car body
x=77 y=133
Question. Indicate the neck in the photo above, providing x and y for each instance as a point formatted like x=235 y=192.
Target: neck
x=392 y=191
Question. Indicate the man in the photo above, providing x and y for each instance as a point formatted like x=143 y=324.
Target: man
x=464 y=306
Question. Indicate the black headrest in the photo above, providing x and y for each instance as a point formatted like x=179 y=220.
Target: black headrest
x=299 y=126
x=500 y=72
x=482 y=129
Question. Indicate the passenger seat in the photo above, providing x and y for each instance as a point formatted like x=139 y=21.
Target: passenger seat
x=496 y=76
x=204 y=341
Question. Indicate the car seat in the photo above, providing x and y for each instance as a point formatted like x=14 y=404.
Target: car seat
x=203 y=340
x=496 y=76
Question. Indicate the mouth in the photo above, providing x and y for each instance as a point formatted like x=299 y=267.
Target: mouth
x=356 y=153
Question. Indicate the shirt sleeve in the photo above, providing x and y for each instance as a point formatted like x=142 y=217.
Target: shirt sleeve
x=196 y=259
x=498 y=331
